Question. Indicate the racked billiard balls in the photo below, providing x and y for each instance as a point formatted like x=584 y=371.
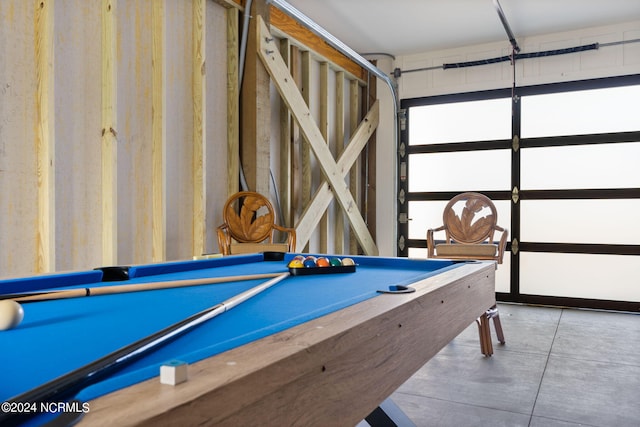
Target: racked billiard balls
x=322 y=262
x=309 y=262
x=296 y=263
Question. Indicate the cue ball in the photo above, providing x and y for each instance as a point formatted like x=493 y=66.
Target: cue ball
x=347 y=262
x=11 y=314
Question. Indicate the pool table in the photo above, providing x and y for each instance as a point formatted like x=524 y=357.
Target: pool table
x=321 y=349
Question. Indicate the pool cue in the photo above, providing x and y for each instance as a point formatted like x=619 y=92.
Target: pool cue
x=120 y=289
x=67 y=385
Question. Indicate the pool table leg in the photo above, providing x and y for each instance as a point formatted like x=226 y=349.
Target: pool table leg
x=388 y=414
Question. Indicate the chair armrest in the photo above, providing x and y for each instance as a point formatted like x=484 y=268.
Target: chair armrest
x=431 y=245
x=291 y=235
x=224 y=239
x=502 y=244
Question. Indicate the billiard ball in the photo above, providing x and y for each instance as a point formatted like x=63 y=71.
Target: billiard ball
x=296 y=263
x=309 y=263
x=347 y=262
x=322 y=262
x=335 y=262
x=11 y=314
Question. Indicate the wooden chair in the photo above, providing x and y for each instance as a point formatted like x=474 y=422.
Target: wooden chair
x=470 y=225
x=250 y=226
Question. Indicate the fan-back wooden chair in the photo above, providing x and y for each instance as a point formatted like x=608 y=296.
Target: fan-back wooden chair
x=470 y=227
x=250 y=226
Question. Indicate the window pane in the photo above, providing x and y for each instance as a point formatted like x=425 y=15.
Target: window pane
x=503 y=273
x=460 y=122
x=428 y=214
x=479 y=170
x=608 y=277
x=418 y=253
x=581 y=112
x=581 y=221
x=581 y=166
x=424 y=215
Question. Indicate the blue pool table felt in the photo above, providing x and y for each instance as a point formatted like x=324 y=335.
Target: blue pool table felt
x=59 y=336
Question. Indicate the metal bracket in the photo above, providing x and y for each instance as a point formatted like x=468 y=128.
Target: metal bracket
x=515 y=143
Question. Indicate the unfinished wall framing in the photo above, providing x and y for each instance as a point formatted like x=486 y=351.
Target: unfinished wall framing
x=333 y=90
x=121 y=134
x=110 y=115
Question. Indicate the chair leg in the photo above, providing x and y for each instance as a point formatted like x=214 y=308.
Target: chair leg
x=486 y=347
x=484 y=330
x=492 y=313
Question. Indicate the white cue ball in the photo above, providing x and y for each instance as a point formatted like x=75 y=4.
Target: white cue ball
x=11 y=314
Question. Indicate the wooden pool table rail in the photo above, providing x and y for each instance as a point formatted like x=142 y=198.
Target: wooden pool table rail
x=333 y=370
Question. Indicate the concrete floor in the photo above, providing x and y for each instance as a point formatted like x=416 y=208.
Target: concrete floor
x=558 y=368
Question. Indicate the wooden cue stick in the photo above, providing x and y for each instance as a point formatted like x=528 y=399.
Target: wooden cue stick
x=68 y=385
x=120 y=289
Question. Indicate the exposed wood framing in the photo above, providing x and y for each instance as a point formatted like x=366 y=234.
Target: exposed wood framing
x=324 y=130
x=231 y=4
x=233 y=108
x=256 y=115
x=324 y=195
x=296 y=143
x=45 y=137
x=294 y=29
x=340 y=134
x=285 y=23
x=285 y=148
x=354 y=174
x=369 y=179
x=199 y=127
x=158 y=127
x=305 y=150
x=109 y=137
x=268 y=53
